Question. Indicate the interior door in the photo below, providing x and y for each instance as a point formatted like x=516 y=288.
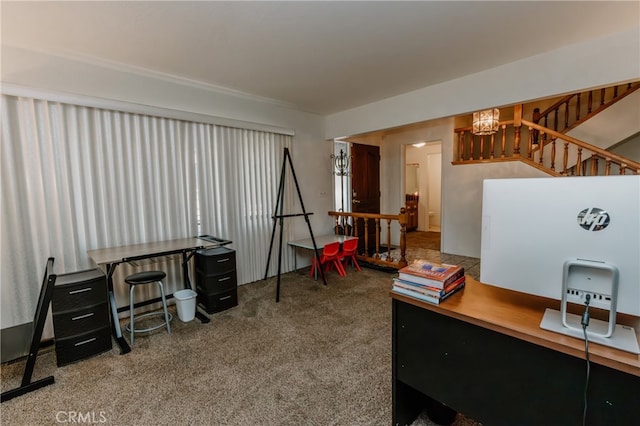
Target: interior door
x=365 y=186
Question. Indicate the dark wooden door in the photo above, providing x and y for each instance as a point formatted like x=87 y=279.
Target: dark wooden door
x=365 y=186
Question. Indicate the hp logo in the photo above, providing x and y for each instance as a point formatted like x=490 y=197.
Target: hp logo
x=593 y=219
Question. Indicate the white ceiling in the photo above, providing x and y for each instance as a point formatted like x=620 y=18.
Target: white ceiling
x=320 y=57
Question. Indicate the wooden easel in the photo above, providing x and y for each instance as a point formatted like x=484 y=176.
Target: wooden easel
x=281 y=216
x=42 y=308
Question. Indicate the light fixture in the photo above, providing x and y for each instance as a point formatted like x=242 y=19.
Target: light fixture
x=486 y=122
x=419 y=144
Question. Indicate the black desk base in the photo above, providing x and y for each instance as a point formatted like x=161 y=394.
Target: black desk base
x=497 y=379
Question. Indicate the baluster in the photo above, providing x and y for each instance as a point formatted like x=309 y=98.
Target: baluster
x=543 y=139
x=461 y=144
x=615 y=91
x=516 y=141
x=583 y=168
x=403 y=237
x=377 y=228
x=607 y=167
x=530 y=144
x=553 y=154
x=536 y=119
x=565 y=160
x=594 y=164
x=566 y=115
x=555 y=119
x=590 y=102
x=481 y=147
x=602 y=94
x=473 y=138
x=492 y=146
x=623 y=169
x=389 y=258
x=578 y=107
x=366 y=236
x=579 y=160
x=504 y=139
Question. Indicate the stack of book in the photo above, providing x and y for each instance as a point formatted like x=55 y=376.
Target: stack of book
x=431 y=282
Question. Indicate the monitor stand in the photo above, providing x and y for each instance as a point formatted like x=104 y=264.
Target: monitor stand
x=624 y=337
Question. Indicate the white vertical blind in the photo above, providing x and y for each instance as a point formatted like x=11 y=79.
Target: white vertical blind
x=77 y=178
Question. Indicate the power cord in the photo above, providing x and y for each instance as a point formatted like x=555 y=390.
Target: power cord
x=585 y=323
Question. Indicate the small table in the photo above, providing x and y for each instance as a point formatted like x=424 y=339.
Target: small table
x=321 y=241
x=110 y=258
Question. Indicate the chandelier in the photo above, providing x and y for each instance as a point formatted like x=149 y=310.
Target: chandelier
x=486 y=122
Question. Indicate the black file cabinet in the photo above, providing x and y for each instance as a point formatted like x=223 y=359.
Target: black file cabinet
x=216 y=279
x=80 y=308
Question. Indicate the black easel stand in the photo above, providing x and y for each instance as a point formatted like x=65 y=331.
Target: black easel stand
x=281 y=216
x=44 y=300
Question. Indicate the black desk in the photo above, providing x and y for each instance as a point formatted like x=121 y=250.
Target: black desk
x=483 y=354
x=110 y=258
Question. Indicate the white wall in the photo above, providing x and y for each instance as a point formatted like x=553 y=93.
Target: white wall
x=592 y=63
x=64 y=76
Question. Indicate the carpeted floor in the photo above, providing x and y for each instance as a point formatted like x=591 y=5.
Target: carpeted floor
x=321 y=356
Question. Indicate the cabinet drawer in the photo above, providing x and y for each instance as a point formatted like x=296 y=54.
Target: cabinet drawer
x=82 y=346
x=70 y=323
x=216 y=283
x=215 y=261
x=219 y=301
x=79 y=289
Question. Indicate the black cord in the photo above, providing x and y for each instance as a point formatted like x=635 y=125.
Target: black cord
x=585 y=324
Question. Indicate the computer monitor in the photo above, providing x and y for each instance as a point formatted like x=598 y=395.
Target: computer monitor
x=564 y=238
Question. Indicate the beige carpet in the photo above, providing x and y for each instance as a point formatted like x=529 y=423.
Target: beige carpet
x=322 y=356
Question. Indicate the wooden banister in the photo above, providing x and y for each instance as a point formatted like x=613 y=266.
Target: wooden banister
x=345 y=224
x=541 y=145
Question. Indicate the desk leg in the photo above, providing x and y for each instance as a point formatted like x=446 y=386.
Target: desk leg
x=124 y=346
x=117 y=331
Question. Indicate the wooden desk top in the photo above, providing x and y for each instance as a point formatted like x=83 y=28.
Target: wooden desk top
x=518 y=315
x=117 y=254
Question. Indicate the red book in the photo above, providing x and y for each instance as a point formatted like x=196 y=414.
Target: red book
x=437 y=275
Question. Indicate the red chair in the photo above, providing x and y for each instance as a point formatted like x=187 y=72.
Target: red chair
x=349 y=252
x=329 y=259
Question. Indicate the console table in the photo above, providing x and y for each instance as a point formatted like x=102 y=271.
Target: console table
x=483 y=354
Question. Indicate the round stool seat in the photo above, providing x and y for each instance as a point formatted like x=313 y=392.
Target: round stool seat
x=145 y=277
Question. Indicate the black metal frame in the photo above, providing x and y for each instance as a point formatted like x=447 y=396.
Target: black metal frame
x=281 y=216
x=187 y=254
x=40 y=317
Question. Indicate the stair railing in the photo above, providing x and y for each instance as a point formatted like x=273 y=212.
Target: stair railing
x=562 y=155
x=571 y=110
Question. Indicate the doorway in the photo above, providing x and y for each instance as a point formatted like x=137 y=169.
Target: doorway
x=424 y=162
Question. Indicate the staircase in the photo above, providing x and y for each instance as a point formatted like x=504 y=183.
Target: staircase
x=543 y=142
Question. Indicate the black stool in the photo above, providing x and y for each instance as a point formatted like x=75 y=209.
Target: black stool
x=147 y=277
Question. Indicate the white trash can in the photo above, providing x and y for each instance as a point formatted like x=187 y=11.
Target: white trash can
x=186 y=304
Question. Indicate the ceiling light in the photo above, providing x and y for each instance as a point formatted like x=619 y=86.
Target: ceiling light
x=419 y=144
x=486 y=122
